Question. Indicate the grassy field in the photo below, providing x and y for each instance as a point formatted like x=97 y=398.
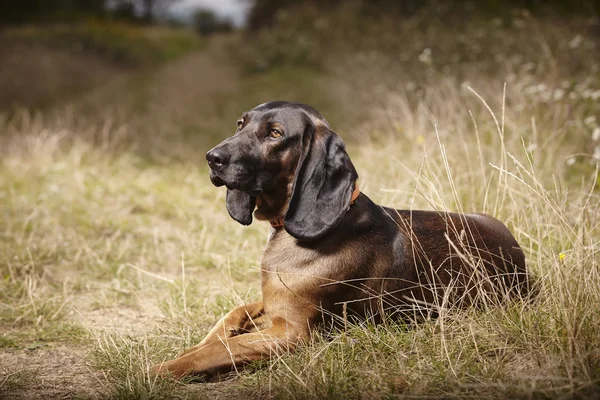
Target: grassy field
x=116 y=252
x=49 y=63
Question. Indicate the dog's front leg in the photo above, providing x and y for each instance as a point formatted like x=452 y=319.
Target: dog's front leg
x=226 y=354
x=240 y=320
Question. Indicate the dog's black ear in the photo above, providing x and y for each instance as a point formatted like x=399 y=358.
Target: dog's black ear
x=240 y=206
x=323 y=185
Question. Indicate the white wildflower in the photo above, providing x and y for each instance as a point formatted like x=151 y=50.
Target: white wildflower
x=518 y=23
x=590 y=121
x=596 y=154
x=531 y=90
x=425 y=56
x=558 y=94
x=571 y=161
x=528 y=66
x=576 y=41
x=596 y=133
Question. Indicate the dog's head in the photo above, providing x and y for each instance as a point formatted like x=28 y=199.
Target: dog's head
x=285 y=160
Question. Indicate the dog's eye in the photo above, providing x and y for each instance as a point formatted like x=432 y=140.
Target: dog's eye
x=275 y=133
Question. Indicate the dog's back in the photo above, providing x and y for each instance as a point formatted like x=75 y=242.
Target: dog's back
x=457 y=259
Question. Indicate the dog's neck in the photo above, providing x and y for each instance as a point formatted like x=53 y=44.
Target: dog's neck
x=273 y=203
x=278 y=221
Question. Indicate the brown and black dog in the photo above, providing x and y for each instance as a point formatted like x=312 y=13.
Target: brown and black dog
x=332 y=254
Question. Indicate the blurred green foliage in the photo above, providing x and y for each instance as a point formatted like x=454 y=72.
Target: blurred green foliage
x=122 y=42
x=206 y=22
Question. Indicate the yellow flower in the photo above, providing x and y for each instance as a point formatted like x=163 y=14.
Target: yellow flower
x=420 y=139
x=561 y=256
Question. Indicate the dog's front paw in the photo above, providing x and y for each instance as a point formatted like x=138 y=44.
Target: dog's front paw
x=165 y=370
x=177 y=369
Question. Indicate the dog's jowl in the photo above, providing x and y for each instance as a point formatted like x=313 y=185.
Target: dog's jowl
x=333 y=255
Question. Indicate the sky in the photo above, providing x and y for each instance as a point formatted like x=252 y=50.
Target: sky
x=234 y=9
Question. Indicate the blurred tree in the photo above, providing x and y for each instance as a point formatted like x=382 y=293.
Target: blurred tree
x=263 y=12
x=20 y=11
x=141 y=10
x=206 y=22
x=152 y=8
x=123 y=10
x=23 y=11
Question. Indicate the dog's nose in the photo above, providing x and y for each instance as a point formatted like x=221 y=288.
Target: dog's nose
x=217 y=158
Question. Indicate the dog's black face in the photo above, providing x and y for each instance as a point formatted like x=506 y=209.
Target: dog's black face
x=253 y=159
x=284 y=159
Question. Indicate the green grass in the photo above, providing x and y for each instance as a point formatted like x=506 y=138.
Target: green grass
x=122 y=42
x=115 y=246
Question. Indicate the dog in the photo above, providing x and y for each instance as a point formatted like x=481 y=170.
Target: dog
x=332 y=254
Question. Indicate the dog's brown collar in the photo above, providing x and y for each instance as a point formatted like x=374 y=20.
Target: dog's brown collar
x=278 y=222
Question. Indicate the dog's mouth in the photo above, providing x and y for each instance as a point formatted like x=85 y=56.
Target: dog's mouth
x=242 y=184
x=216 y=179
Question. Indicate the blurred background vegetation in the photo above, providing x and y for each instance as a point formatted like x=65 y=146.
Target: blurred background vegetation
x=52 y=49
x=59 y=52
x=108 y=107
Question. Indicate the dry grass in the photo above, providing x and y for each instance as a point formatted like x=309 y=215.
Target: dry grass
x=547 y=348
x=114 y=244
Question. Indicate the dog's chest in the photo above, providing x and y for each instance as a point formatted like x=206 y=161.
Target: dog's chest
x=288 y=266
